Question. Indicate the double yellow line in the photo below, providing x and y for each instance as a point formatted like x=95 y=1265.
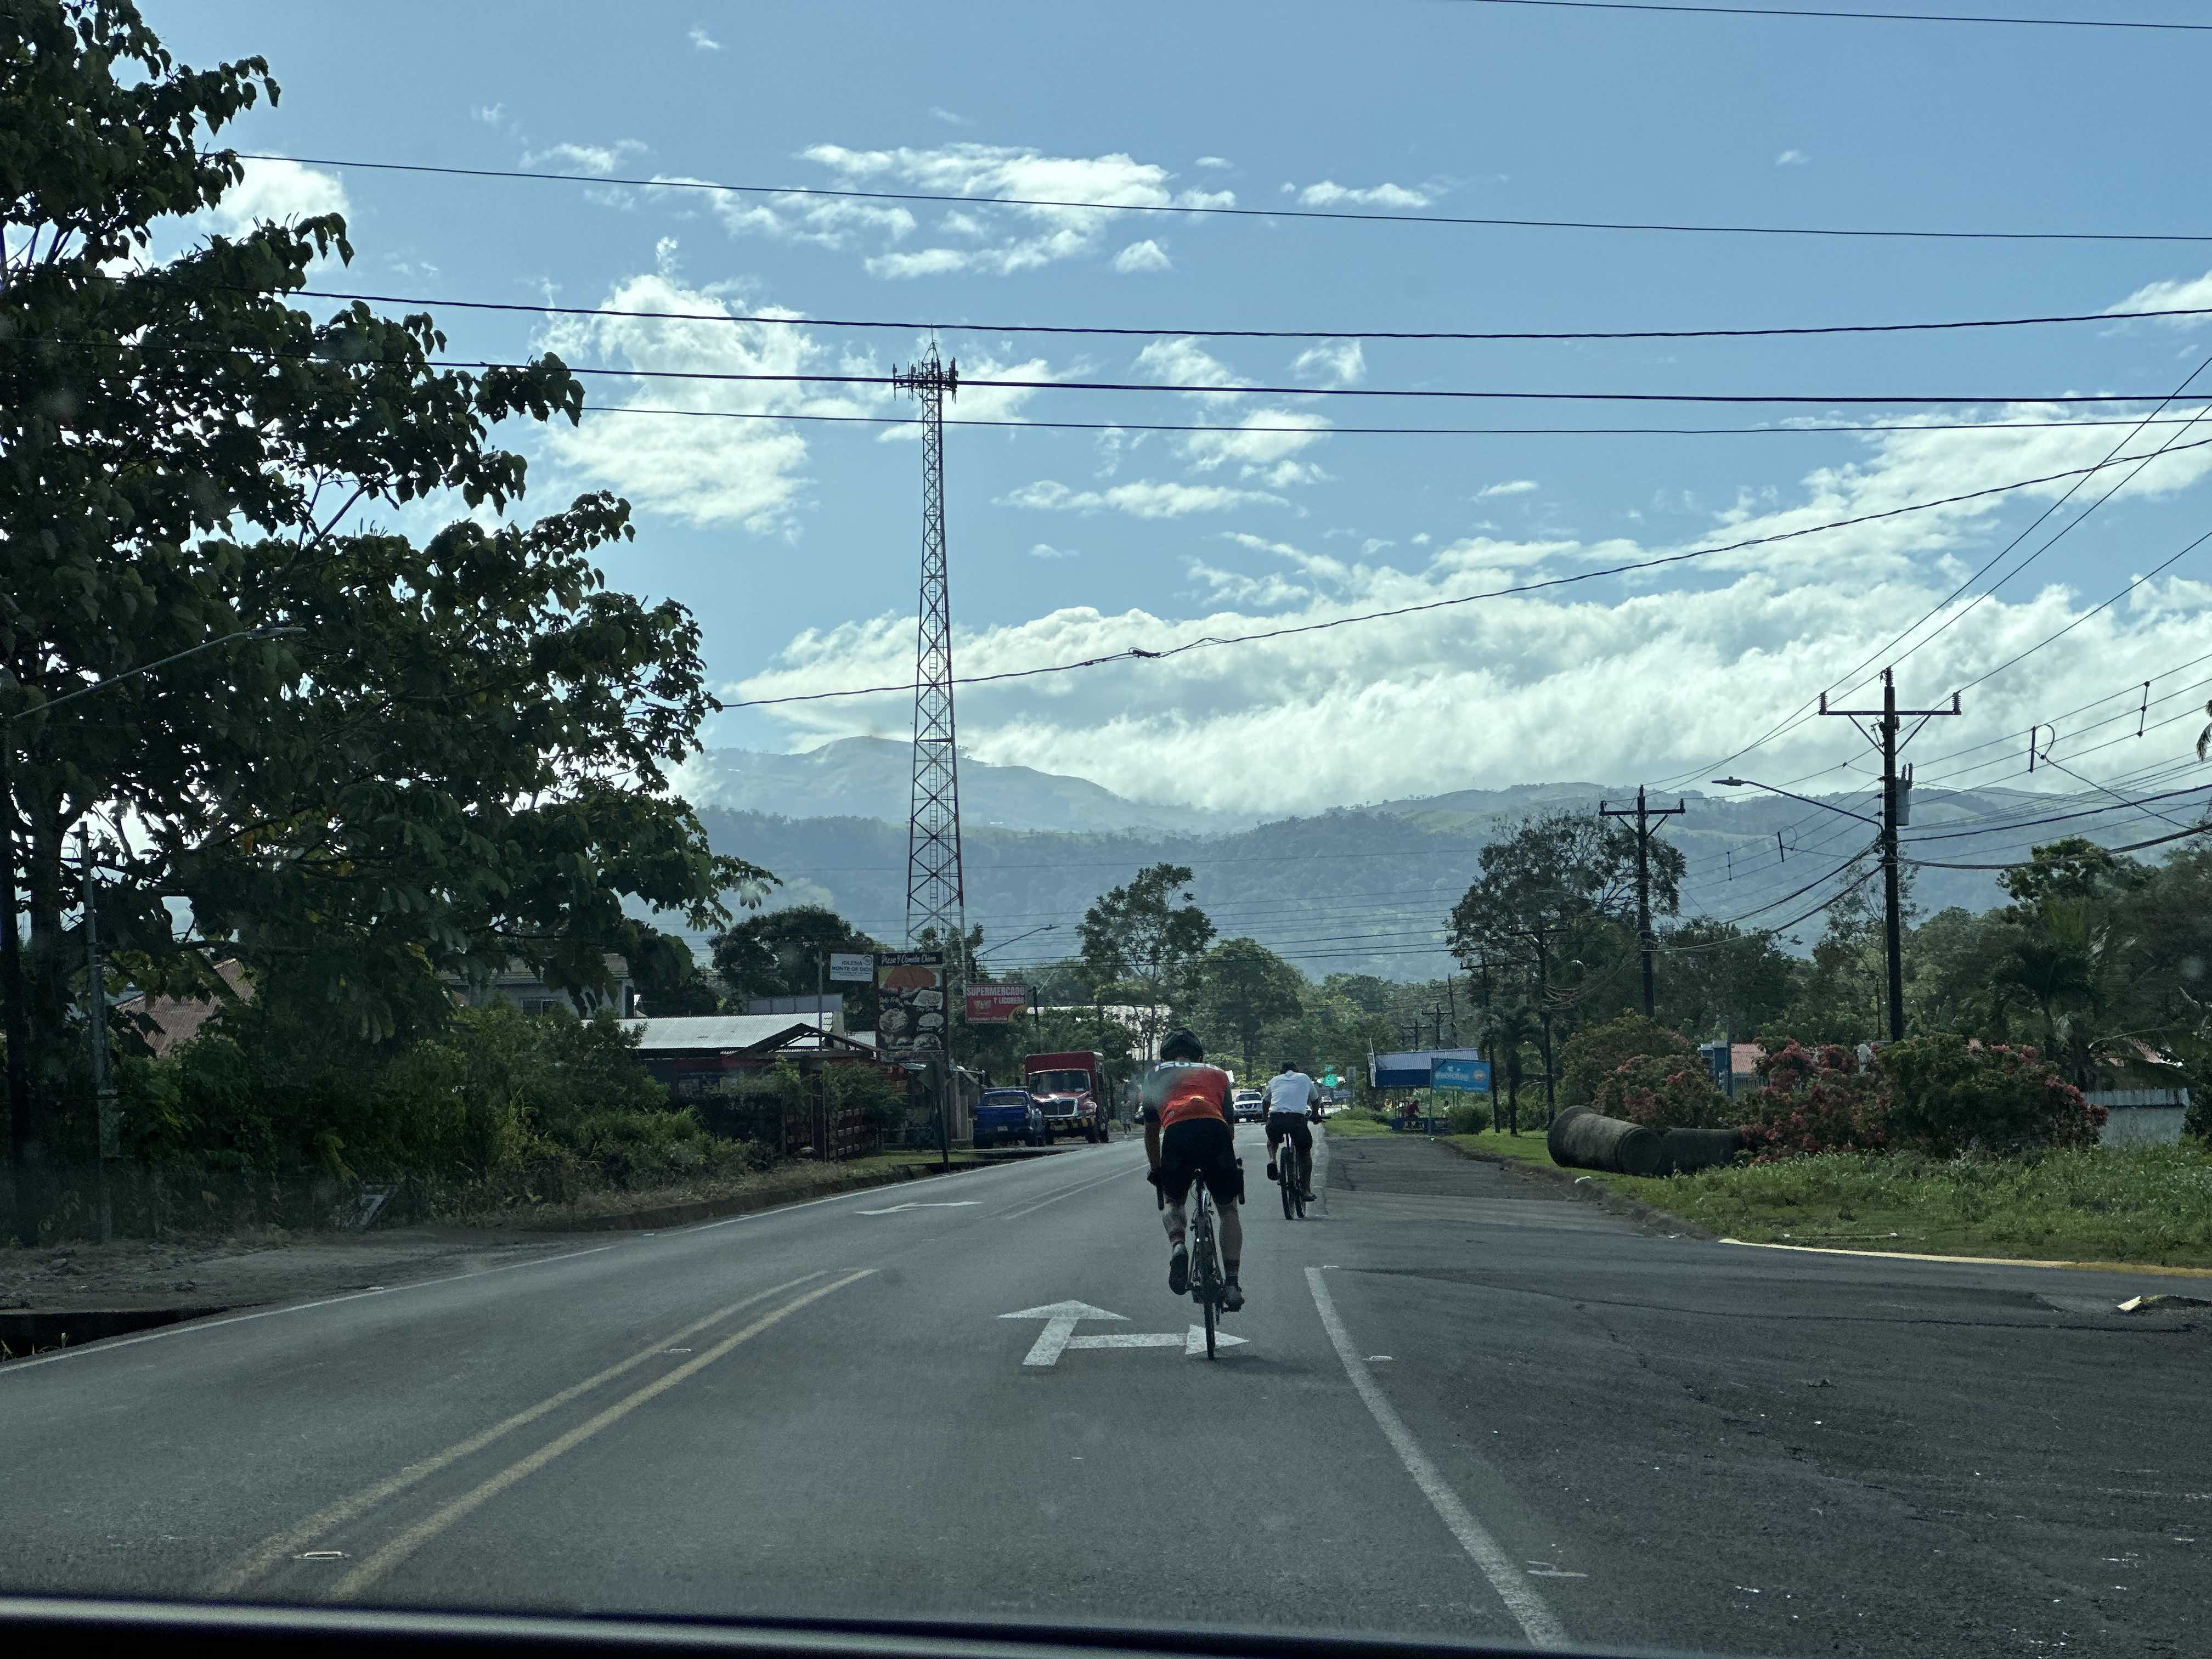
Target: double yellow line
x=283 y=1546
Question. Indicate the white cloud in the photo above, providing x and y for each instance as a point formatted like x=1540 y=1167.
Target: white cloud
x=1620 y=678
x=996 y=240
x=1792 y=158
x=950 y=118
x=702 y=41
x=600 y=159
x=1146 y=255
x=745 y=471
x=1511 y=487
x=1143 y=498
x=1266 y=439
x=489 y=113
x=1182 y=362
x=1330 y=194
x=1216 y=162
x=1333 y=362
x=281 y=191
x=2181 y=294
x=1046 y=551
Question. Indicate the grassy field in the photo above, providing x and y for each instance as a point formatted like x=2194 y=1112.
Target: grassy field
x=2148 y=1205
x=1356 y=1122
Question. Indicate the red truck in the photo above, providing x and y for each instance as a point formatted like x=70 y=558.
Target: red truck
x=1072 y=1088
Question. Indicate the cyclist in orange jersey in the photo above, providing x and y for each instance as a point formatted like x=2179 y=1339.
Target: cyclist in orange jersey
x=1188 y=1136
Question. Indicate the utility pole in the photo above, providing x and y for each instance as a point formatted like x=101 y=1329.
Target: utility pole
x=1896 y=811
x=27 y=1148
x=103 y=1084
x=1644 y=815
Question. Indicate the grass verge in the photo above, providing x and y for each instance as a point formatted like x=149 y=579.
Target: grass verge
x=2150 y=1206
x=780 y=1183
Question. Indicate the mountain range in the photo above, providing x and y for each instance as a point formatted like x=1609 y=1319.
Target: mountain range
x=1359 y=890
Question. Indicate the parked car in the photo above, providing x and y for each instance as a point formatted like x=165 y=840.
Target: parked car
x=1248 y=1106
x=1008 y=1117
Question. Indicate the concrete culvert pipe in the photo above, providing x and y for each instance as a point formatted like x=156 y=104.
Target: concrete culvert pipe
x=1699 y=1148
x=1581 y=1139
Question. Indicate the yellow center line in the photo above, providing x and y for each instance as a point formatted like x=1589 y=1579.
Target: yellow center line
x=393 y=1553
x=283 y=1546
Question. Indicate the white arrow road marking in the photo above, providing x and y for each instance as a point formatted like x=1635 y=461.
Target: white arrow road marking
x=1061 y=1318
x=1059 y=1321
x=935 y=1204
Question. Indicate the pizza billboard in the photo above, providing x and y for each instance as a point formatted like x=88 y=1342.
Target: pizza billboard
x=910 y=1001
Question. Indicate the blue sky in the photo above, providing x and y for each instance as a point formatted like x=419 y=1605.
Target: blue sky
x=798 y=544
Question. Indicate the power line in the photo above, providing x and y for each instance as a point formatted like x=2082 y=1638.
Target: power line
x=1102 y=330
x=1134 y=653
x=1833 y=14
x=746 y=377
x=1217 y=210
x=1027 y=425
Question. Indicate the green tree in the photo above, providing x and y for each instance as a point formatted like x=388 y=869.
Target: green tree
x=461 y=761
x=1594 y=1053
x=1147 y=936
x=1558 y=895
x=1508 y=1031
x=1715 y=979
x=1244 y=987
x=786 y=953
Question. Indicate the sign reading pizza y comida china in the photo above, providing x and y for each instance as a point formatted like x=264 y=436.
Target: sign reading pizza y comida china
x=910 y=1001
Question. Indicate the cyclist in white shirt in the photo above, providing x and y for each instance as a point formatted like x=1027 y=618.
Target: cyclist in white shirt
x=1291 y=1096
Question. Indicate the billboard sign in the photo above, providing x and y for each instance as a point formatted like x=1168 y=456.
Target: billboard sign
x=853 y=967
x=1413 y=1068
x=910 y=1001
x=1468 y=1076
x=996 y=1005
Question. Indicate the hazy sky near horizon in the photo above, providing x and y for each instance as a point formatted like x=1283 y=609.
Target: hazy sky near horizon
x=796 y=543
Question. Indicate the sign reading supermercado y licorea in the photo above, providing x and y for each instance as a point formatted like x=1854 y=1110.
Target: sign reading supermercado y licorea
x=996 y=1005
x=910 y=1001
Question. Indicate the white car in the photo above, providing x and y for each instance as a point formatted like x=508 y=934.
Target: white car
x=1248 y=1105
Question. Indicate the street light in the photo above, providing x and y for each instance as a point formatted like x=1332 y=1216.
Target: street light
x=15 y=1017
x=1754 y=783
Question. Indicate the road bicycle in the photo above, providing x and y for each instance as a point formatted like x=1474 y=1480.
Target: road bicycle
x=1292 y=1178
x=1206 y=1280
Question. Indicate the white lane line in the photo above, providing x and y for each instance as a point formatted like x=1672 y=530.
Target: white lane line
x=110 y=1343
x=1536 y=1619
x=1066 y=1192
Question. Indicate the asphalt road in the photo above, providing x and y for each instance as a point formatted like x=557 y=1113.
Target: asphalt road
x=1465 y=1403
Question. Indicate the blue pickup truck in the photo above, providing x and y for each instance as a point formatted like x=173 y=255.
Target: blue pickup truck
x=1009 y=1117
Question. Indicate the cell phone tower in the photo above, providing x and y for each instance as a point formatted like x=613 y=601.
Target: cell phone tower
x=936 y=895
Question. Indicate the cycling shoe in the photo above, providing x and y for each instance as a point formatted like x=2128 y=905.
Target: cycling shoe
x=1179 y=1271
x=1232 y=1296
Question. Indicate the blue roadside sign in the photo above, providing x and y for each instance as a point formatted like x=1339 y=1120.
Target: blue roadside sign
x=1468 y=1076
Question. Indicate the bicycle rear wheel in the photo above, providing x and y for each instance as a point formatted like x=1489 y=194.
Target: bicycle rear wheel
x=1288 y=1184
x=1209 y=1328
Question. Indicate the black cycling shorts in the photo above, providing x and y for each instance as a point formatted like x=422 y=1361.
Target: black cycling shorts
x=1282 y=1124
x=1202 y=1147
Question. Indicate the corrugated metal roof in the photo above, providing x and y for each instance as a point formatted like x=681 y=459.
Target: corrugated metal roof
x=689 y=1031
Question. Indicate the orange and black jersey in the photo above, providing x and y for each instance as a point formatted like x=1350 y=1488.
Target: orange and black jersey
x=1185 y=1092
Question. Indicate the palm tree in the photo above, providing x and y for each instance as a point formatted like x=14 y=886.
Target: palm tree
x=2067 y=961
x=1507 y=1030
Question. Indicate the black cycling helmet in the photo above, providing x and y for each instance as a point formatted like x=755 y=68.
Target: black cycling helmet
x=1182 y=1044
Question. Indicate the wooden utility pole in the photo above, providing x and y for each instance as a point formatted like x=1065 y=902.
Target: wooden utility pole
x=1896 y=811
x=1643 y=814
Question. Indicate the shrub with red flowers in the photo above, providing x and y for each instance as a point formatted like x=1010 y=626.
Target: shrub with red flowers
x=1662 y=1092
x=1816 y=1101
x=1947 y=1095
